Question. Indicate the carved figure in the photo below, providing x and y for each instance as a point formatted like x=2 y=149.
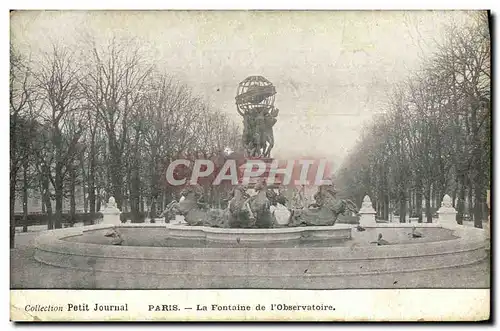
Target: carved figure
x=194 y=209
x=260 y=206
x=324 y=211
x=239 y=212
x=255 y=103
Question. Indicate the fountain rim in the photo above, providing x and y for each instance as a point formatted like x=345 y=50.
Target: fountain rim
x=199 y=267
x=466 y=237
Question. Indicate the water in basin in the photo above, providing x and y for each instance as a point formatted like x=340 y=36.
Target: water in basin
x=155 y=237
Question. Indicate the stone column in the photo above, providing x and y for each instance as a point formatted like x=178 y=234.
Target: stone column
x=447 y=214
x=111 y=213
x=367 y=213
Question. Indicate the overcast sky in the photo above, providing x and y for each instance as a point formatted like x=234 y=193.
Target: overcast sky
x=332 y=70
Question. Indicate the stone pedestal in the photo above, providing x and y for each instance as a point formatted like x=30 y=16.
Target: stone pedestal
x=367 y=213
x=447 y=214
x=111 y=213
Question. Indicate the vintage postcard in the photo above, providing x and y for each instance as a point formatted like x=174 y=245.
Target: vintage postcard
x=250 y=165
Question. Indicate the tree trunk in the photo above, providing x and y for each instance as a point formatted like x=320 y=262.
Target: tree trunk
x=154 y=182
x=437 y=199
x=402 y=207
x=72 y=199
x=85 y=200
x=152 y=209
x=25 y=196
x=386 y=206
x=476 y=158
x=47 y=202
x=160 y=200
x=115 y=169
x=167 y=198
x=428 y=208
x=98 y=204
x=461 y=200
x=470 y=202
x=59 y=196
x=134 y=196
x=418 y=201
x=92 y=199
x=409 y=203
x=12 y=200
x=431 y=197
x=135 y=182
x=92 y=176
x=478 y=205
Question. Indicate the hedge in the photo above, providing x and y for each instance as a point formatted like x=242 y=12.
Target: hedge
x=127 y=216
x=42 y=219
x=347 y=219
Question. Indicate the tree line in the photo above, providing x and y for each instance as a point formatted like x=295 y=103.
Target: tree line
x=434 y=135
x=106 y=119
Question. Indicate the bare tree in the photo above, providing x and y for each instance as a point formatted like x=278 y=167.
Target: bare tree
x=115 y=77
x=21 y=129
x=57 y=85
x=435 y=138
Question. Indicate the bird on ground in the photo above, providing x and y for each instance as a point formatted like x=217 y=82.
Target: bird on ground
x=380 y=241
x=117 y=238
x=415 y=234
x=360 y=228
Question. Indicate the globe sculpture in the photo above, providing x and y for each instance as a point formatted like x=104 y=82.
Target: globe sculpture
x=255 y=92
x=255 y=103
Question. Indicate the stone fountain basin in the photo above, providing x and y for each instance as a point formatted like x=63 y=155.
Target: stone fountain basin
x=262 y=236
x=252 y=267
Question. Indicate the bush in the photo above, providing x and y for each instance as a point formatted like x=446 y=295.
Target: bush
x=347 y=219
x=42 y=219
x=140 y=218
x=124 y=217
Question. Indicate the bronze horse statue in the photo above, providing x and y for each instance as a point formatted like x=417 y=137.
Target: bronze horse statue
x=324 y=211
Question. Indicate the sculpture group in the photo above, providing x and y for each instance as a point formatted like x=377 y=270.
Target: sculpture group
x=258 y=137
x=254 y=211
x=255 y=103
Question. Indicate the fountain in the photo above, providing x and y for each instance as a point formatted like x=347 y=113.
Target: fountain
x=244 y=245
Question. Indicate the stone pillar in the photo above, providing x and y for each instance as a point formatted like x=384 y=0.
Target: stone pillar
x=111 y=213
x=447 y=214
x=367 y=213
